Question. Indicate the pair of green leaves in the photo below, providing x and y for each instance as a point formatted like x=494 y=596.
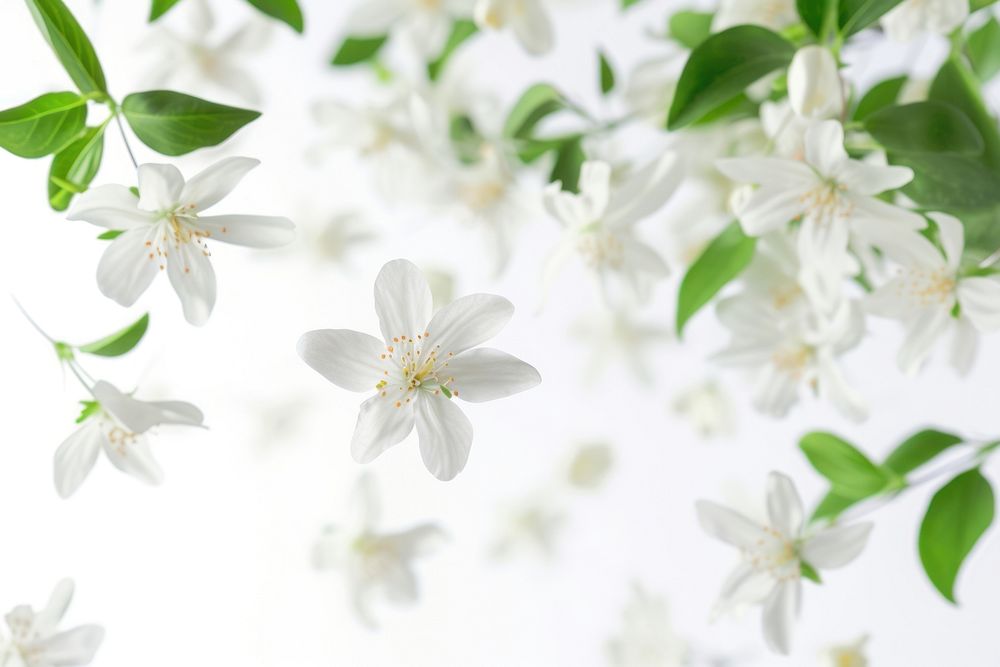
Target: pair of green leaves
x=286 y=11
x=538 y=103
x=846 y=17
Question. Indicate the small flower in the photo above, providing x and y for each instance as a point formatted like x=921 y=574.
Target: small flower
x=814 y=86
x=617 y=336
x=590 y=465
x=846 y=655
x=35 y=640
x=423 y=364
x=527 y=18
x=911 y=18
x=647 y=637
x=117 y=423
x=426 y=23
x=164 y=229
x=931 y=294
x=773 y=14
x=532 y=526
x=372 y=561
x=776 y=553
x=341 y=235
x=708 y=408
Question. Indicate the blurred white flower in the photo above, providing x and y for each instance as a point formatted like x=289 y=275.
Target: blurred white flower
x=814 y=86
x=785 y=129
x=374 y=562
x=590 y=465
x=708 y=408
x=931 y=294
x=531 y=527
x=163 y=228
x=424 y=362
x=617 y=335
x=341 y=234
x=424 y=23
x=845 y=655
x=911 y=18
x=773 y=14
x=526 y=18
x=117 y=423
x=650 y=88
x=647 y=637
x=775 y=554
x=599 y=222
x=35 y=639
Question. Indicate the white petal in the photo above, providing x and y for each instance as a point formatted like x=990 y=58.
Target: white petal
x=770 y=208
x=780 y=172
x=780 y=611
x=644 y=192
x=784 y=507
x=126 y=268
x=980 y=301
x=445 y=436
x=47 y=620
x=160 y=187
x=418 y=541
x=872 y=179
x=380 y=426
x=964 y=346
x=403 y=300
x=349 y=359
x=468 y=321
x=364 y=505
x=952 y=236
x=533 y=28
x=73 y=647
x=595 y=185
x=814 y=86
x=569 y=209
x=727 y=525
x=834 y=388
x=837 y=546
x=191 y=273
x=746 y=585
x=110 y=206
x=212 y=184
x=775 y=391
x=253 y=231
x=140 y=416
x=177 y=412
x=923 y=332
x=374 y=17
x=825 y=152
x=134 y=458
x=76 y=456
x=485 y=374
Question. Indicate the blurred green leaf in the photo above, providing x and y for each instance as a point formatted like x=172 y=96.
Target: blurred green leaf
x=879 y=96
x=924 y=127
x=851 y=473
x=606 y=74
x=983 y=48
x=721 y=261
x=286 y=11
x=160 y=7
x=689 y=28
x=356 y=50
x=461 y=30
x=918 y=449
x=856 y=15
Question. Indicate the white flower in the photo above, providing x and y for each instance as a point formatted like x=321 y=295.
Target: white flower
x=931 y=294
x=708 y=408
x=785 y=129
x=426 y=23
x=374 y=562
x=117 y=423
x=814 y=86
x=846 y=655
x=35 y=640
x=590 y=465
x=835 y=199
x=341 y=234
x=911 y=18
x=647 y=637
x=527 y=18
x=773 y=14
x=164 y=229
x=530 y=527
x=599 y=222
x=423 y=364
x=774 y=555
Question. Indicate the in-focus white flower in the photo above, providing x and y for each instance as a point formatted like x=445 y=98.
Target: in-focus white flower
x=814 y=86
x=911 y=18
x=423 y=364
x=599 y=222
x=164 y=229
x=708 y=408
x=835 y=199
x=526 y=18
x=775 y=553
x=374 y=562
x=35 y=640
x=647 y=637
x=773 y=14
x=424 y=23
x=845 y=655
x=117 y=423
x=932 y=294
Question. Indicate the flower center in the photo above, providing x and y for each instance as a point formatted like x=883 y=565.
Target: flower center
x=415 y=364
x=825 y=204
x=774 y=554
x=479 y=196
x=793 y=359
x=178 y=229
x=927 y=287
x=600 y=248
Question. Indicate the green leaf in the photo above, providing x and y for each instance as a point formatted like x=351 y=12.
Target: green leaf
x=833 y=505
x=628 y=3
x=465 y=139
x=119 y=342
x=607 y=75
x=958 y=515
x=110 y=235
x=955 y=84
x=174 y=124
x=160 y=7
x=569 y=158
x=880 y=95
x=855 y=15
x=535 y=104
x=924 y=127
x=976 y=5
x=461 y=30
x=286 y=11
x=813 y=14
x=42 y=126
x=70 y=44
x=689 y=28
x=722 y=66
x=950 y=182
x=851 y=473
x=89 y=409
x=356 y=50
x=809 y=572
x=983 y=48
x=720 y=262
x=918 y=449
x=76 y=165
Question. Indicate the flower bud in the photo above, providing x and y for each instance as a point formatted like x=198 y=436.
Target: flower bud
x=814 y=86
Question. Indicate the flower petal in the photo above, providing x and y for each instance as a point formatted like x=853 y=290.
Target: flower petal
x=191 y=273
x=836 y=546
x=213 y=183
x=952 y=237
x=76 y=457
x=380 y=426
x=533 y=28
x=485 y=374
x=72 y=647
x=403 y=300
x=644 y=192
x=814 y=86
x=872 y=179
x=780 y=611
x=770 y=208
x=964 y=346
x=253 y=231
x=365 y=508
x=47 y=620
x=349 y=359
x=110 y=206
x=160 y=187
x=923 y=331
x=980 y=300
x=833 y=387
x=374 y=17
x=825 y=151
x=728 y=525
x=178 y=412
x=745 y=585
x=595 y=185
x=780 y=172
x=445 y=436
x=784 y=506
x=126 y=268
x=140 y=416
x=134 y=458
x=468 y=321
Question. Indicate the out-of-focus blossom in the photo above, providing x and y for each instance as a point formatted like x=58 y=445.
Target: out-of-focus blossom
x=423 y=23
x=374 y=562
x=36 y=641
x=647 y=637
x=341 y=234
x=590 y=466
x=785 y=129
x=912 y=18
x=708 y=408
x=526 y=18
x=845 y=655
x=530 y=527
x=617 y=335
x=650 y=88
x=775 y=554
x=814 y=86
x=773 y=14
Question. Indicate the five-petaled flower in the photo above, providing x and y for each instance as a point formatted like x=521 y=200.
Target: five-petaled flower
x=35 y=639
x=422 y=364
x=164 y=229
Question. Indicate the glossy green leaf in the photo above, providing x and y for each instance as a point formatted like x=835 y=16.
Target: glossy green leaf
x=42 y=126
x=356 y=50
x=722 y=66
x=919 y=449
x=120 y=341
x=690 y=28
x=174 y=124
x=569 y=159
x=851 y=473
x=833 y=505
x=924 y=127
x=721 y=261
x=286 y=11
x=855 y=15
x=160 y=7
x=813 y=13
x=535 y=104
x=606 y=74
x=950 y=182
x=983 y=48
x=958 y=515
x=956 y=84
x=70 y=44
x=879 y=96
x=460 y=31
x=74 y=167
x=110 y=235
